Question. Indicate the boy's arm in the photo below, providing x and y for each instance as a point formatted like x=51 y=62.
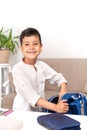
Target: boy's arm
x=63 y=90
x=61 y=107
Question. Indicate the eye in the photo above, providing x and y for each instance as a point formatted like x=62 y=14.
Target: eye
x=36 y=43
x=26 y=44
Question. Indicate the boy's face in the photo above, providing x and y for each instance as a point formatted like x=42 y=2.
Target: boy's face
x=31 y=47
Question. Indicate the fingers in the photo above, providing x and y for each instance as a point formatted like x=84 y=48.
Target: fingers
x=64 y=101
x=63 y=106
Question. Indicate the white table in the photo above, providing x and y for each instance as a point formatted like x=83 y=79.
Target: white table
x=3 y=66
x=30 y=120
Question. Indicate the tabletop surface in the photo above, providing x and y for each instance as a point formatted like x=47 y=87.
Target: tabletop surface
x=30 y=119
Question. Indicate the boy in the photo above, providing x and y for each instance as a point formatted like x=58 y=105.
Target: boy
x=30 y=74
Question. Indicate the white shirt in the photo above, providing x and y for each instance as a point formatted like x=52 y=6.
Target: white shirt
x=30 y=83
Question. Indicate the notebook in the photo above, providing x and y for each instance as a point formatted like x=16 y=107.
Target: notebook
x=7 y=123
x=58 y=121
x=5 y=112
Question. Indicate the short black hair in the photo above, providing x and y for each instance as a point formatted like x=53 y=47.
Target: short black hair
x=29 y=32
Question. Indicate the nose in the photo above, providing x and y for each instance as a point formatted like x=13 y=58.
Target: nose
x=31 y=47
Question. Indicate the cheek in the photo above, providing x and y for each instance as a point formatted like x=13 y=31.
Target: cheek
x=23 y=49
x=40 y=49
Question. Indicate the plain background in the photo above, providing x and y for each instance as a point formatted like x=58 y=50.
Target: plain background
x=62 y=24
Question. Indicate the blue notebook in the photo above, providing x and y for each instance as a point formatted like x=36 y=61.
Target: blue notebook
x=58 y=121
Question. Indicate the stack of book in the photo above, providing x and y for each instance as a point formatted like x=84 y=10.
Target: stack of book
x=7 y=123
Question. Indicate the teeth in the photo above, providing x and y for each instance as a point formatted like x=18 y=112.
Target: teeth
x=31 y=52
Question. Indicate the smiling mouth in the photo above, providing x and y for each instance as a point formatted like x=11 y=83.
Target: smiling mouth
x=31 y=52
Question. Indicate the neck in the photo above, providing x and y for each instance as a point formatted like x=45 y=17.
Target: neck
x=30 y=62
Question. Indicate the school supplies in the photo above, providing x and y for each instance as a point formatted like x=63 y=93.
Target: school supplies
x=77 y=103
x=5 y=112
x=58 y=121
x=7 y=123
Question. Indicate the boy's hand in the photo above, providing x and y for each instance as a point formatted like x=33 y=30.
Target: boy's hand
x=62 y=106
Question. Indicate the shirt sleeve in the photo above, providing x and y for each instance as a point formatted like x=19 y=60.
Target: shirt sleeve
x=52 y=76
x=24 y=87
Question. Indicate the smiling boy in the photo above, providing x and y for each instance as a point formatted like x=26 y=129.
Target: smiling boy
x=30 y=74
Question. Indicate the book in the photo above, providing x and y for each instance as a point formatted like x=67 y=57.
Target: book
x=58 y=121
x=7 y=123
x=5 y=112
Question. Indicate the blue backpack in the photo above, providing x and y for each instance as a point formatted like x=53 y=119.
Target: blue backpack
x=77 y=103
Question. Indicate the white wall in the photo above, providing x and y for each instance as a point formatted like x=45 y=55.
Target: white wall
x=62 y=24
